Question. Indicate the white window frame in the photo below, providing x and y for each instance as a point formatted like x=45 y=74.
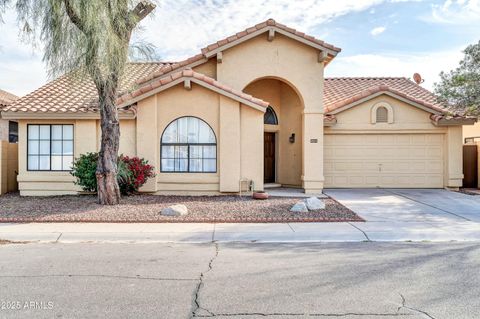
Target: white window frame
x=188 y=146
x=50 y=153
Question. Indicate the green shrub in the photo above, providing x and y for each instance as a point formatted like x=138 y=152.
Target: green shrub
x=84 y=169
x=132 y=172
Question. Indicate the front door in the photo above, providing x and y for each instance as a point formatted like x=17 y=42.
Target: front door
x=269 y=160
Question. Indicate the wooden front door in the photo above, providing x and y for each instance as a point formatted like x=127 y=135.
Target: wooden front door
x=269 y=160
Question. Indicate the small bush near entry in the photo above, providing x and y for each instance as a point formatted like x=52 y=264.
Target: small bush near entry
x=84 y=169
x=133 y=172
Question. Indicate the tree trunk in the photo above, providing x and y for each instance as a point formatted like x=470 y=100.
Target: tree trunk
x=107 y=185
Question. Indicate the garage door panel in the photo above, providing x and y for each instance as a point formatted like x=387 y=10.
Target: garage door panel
x=384 y=160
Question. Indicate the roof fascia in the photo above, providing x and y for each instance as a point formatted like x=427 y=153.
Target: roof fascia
x=8 y=115
x=197 y=81
x=254 y=34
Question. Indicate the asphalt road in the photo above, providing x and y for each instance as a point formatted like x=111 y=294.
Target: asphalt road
x=346 y=280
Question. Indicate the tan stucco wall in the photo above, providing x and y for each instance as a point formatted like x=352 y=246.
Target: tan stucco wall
x=471 y=131
x=8 y=167
x=296 y=64
x=209 y=68
x=3 y=130
x=407 y=119
x=234 y=125
x=288 y=109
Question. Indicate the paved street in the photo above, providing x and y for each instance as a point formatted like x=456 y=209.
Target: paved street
x=328 y=280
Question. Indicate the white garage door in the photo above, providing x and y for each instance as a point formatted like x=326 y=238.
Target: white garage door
x=384 y=160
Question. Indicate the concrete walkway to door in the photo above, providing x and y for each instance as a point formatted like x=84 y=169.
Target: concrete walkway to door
x=413 y=214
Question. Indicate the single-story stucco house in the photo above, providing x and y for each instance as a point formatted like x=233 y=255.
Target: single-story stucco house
x=8 y=129
x=250 y=109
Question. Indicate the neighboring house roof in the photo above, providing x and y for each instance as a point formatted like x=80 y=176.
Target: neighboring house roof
x=343 y=93
x=188 y=76
x=242 y=36
x=71 y=94
x=6 y=98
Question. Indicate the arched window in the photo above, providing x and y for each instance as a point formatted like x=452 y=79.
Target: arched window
x=382 y=115
x=270 y=117
x=188 y=144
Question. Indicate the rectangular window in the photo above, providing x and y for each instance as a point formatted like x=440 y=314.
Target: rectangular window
x=12 y=132
x=49 y=147
x=189 y=158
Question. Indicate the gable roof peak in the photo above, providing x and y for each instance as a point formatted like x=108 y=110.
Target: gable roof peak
x=175 y=78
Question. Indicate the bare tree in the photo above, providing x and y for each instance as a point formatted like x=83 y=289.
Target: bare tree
x=94 y=37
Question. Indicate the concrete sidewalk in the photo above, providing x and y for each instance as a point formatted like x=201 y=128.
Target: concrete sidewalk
x=203 y=233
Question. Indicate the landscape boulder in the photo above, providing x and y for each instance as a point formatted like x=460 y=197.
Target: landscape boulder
x=175 y=210
x=313 y=203
x=299 y=207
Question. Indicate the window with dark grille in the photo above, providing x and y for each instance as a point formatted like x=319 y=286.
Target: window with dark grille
x=382 y=115
x=49 y=147
x=12 y=132
x=270 y=117
x=188 y=144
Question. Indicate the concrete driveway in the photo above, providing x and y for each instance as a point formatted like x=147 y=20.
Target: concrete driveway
x=413 y=214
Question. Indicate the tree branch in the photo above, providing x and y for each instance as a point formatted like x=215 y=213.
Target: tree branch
x=141 y=10
x=74 y=17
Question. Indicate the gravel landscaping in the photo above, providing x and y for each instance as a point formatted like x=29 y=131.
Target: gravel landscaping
x=146 y=208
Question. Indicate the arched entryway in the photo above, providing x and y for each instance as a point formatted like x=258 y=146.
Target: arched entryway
x=282 y=130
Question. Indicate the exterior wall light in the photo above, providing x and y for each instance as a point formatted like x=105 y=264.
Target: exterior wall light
x=292 y=138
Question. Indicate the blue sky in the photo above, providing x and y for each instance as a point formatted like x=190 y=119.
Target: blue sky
x=377 y=37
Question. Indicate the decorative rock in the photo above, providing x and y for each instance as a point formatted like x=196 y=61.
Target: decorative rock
x=299 y=207
x=175 y=210
x=313 y=203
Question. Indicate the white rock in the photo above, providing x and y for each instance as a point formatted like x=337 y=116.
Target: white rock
x=313 y=203
x=175 y=210
x=299 y=207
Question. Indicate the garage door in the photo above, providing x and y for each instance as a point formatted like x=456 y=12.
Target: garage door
x=384 y=160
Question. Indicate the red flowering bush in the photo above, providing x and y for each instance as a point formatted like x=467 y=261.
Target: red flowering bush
x=132 y=172
x=139 y=172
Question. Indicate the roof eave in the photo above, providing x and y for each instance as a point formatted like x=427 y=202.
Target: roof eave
x=192 y=79
x=347 y=106
x=22 y=115
x=332 y=53
x=454 y=121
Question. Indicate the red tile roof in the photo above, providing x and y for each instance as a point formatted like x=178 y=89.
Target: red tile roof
x=238 y=36
x=189 y=74
x=265 y=25
x=71 y=94
x=340 y=92
x=7 y=98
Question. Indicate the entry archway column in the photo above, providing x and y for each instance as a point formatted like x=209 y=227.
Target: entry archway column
x=312 y=177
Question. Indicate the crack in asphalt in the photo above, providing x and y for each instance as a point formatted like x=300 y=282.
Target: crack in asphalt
x=404 y=305
x=196 y=302
x=137 y=277
x=278 y=314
